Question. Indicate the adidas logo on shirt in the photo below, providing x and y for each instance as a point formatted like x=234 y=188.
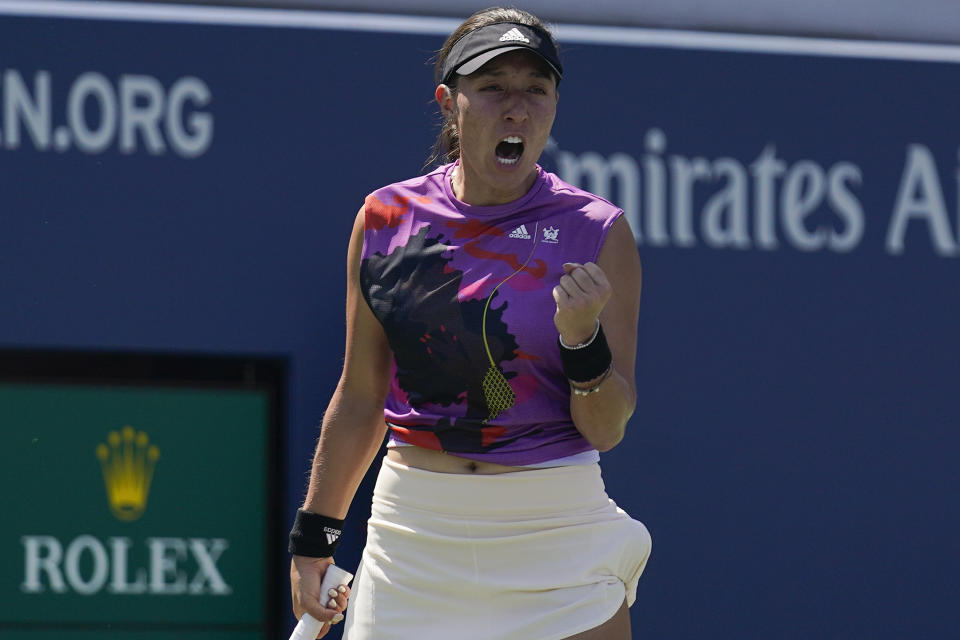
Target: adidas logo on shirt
x=514 y=35
x=520 y=232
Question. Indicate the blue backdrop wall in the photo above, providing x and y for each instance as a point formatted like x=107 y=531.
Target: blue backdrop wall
x=189 y=187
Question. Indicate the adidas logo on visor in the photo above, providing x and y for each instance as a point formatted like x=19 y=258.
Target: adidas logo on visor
x=514 y=35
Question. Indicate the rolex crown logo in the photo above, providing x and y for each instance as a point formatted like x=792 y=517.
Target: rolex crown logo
x=127 y=460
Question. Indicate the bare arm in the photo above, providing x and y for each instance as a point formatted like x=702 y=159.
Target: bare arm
x=353 y=426
x=352 y=432
x=609 y=290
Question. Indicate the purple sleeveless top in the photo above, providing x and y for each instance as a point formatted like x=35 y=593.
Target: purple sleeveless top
x=464 y=294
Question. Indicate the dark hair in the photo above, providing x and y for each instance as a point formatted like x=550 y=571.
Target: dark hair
x=447 y=146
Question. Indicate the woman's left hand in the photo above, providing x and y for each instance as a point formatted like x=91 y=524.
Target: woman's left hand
x=580 y=295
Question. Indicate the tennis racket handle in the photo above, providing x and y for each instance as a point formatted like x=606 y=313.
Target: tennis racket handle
x=333 y=578
x=309 y=627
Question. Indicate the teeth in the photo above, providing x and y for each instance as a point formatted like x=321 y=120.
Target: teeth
x=512 y=139
x=507 y=160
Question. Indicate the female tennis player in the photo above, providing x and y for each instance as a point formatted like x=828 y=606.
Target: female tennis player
x=492 y=317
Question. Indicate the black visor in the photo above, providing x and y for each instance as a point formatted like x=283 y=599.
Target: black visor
x=479 y=46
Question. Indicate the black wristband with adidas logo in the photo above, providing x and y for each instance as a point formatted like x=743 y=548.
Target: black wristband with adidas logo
x=314 y=535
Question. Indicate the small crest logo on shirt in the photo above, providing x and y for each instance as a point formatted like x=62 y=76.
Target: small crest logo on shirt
x=550 y=235
x=521 y=233
x=514 y=35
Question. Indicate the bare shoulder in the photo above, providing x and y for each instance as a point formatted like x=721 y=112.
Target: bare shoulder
x=355 y=248
x=359 y=224
x=367 y=358
x=619 y=257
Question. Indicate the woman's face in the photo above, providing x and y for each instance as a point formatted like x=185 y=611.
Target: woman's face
x=503 y=112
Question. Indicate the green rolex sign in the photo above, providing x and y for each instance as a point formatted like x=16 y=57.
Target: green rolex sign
x=132 y=512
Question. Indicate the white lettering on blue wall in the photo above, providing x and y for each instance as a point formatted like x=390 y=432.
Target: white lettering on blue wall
x=95 y=114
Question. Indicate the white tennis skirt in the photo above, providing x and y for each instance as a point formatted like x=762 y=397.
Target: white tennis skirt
x=540 y=554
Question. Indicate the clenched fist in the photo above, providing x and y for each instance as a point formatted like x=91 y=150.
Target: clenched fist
x=580 y=295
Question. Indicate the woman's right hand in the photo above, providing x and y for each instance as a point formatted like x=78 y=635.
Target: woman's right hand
x=306 y=575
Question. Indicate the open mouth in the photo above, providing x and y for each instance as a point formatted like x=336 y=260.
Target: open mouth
x=509 y=150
